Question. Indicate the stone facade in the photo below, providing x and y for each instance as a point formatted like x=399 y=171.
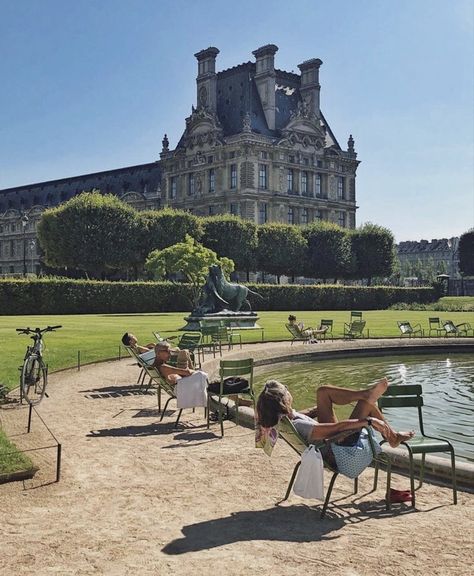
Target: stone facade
x=256 y=145
x=442 y=254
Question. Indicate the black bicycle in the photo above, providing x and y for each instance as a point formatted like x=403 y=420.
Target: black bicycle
x=34 y=372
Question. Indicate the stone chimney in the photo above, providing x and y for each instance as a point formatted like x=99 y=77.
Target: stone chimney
x=206 y=81
x=310 y=86
x=265 y=80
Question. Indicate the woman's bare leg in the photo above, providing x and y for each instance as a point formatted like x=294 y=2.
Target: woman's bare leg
x=364 y=409
x=327 y=396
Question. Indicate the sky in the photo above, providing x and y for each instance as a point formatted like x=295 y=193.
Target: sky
x=89 y=85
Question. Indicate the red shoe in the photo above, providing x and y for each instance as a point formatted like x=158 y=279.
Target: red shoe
x=397 y=496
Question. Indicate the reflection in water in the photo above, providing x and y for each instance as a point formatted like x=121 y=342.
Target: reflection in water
x=448 y=389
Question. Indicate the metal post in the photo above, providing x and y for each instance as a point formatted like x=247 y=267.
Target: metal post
x=30 y=410
x=78 y=360
x=58 y=463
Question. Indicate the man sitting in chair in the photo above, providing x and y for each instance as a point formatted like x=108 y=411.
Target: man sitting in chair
x=190 y=385
x=184 y=365
x=129 y=340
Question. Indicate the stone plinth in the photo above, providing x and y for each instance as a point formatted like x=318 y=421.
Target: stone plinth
x=240 y=320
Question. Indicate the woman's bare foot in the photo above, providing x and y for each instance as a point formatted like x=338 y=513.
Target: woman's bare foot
x=377 y=390
x=398 y=437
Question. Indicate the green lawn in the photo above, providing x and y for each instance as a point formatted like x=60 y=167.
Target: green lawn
x=10 y=459
x=98 y=336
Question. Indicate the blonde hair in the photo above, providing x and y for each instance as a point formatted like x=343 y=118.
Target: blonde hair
x=273 y=403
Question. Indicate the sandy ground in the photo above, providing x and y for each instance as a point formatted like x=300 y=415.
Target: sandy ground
x=138 y=497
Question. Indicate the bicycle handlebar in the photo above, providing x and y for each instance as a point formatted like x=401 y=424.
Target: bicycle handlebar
x=37 y=330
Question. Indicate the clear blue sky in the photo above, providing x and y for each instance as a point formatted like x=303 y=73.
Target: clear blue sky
x=90 y=85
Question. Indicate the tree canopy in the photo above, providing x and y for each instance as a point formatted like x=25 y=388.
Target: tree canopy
x=232 y=237
x=466 y=253
x=328 y=251
x=188 y=258
x=281 y=249
x=372 y=252
x=91 y=232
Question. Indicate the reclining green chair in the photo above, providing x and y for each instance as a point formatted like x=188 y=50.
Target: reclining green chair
x=300 y=335
x=406 y=329
x=451 y=329
x=325 y=329
x=354 y=330
x=410 y=396
x=293 y=438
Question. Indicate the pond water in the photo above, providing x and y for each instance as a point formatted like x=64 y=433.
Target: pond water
x=447 y=380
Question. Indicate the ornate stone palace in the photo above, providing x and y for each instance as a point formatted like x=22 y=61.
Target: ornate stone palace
x=256 y=145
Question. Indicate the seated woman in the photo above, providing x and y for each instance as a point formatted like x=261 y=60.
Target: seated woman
x=310 y=332
x=129 y=340
x=275 y=402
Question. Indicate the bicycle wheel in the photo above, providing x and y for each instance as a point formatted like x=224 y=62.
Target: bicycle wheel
x=33 y=379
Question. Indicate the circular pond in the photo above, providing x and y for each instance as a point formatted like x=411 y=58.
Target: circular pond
x=447 y=380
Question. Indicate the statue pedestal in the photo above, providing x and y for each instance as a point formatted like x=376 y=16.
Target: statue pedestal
x=240 y=320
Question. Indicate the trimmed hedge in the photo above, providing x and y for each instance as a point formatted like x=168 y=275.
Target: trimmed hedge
x=65 y=296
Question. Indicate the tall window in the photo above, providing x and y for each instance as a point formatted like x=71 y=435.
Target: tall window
x=317 y=185
x=233 y=176
x=12 y=248
x=304 y=183
x=341 y=219
x=291 y=215
x=234 y=208
x=289 y=180
x=262 y=213
x=212 y=180
x=340 y=187
x=318 y=214
x=304 y=216
x=211 y=210
x=262 y=176
x=191 y=185
x=173 y=186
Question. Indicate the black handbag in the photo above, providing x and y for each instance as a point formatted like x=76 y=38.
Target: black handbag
x=232 y=385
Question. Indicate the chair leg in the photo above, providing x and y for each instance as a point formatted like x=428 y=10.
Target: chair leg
x=376 y=475
x=328 y=495
x=177 y=419
x=158 y=394
x=164 y=409
x=388 y=500
x=356 y=485
x=292 y=481
x=453 y=468
x=422 y=470
x=412 y=477
x=208 y=410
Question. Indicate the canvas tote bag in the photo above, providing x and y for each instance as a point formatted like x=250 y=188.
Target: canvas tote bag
x=310 y=479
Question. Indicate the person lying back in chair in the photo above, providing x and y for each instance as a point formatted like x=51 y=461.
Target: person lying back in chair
x=129 y=340
x=275 y=401
x=184 y=365
x=310 y=332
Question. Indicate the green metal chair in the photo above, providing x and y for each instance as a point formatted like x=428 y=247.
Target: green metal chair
x=451 y=329
x=406 y=329
x=228 y=368
x=325 y=327
x=435 y=326
x=300 y=336
x=355 y=315
x=293 y=438
x=410 y=396
x=354 y=329
x=192 y=341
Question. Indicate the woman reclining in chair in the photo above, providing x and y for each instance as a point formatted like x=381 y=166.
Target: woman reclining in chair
x=275 y=402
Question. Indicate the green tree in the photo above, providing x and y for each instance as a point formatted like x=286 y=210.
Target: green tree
x=232 y=237
x=328 y=250
x=166 y=227
x=466 y=253
x=372 y=252
x=281 y=249
x=190 y=259
x=91 y=232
